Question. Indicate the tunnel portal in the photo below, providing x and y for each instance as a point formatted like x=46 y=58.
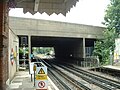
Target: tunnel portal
x=64 y=47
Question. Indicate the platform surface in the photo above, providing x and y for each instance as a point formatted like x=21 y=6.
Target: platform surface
x=22 y=81
x=112 y=67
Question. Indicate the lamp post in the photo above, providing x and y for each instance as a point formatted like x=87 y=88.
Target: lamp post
x=24 y=55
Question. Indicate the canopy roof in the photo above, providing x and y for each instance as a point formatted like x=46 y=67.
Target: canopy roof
x=48 y=6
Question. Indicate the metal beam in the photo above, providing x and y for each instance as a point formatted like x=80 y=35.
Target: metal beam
x=36 y=6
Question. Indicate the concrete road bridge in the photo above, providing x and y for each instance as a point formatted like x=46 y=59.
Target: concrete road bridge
x=66 y=38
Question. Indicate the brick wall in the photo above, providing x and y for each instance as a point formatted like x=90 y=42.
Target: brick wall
x=3 y=44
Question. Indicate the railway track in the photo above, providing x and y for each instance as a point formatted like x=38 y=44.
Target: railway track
x=60 y=84
x=100 y=78
x=54 y=71
x=74 y=82
x=100 y=81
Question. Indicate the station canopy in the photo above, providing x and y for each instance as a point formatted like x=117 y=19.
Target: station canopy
x=41 y=6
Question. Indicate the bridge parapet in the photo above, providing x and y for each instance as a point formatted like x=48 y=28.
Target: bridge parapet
x=35 y=27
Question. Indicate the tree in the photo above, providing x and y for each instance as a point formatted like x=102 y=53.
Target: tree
x=102 y=47
x=112 y=23
x=112 y=17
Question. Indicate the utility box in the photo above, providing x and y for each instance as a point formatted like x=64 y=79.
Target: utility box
x=41 y=81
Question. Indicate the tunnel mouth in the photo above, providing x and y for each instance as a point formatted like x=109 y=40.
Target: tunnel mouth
x=64 y=48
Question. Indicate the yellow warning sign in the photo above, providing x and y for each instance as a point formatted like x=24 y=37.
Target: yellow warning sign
x=41 y=77
x=41 y=71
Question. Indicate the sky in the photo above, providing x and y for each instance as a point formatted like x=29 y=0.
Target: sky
x=89 y=12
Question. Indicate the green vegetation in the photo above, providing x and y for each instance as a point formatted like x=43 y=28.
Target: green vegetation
x=35 y=51
x=22 y=51
x=43 y=50
x=112 y=23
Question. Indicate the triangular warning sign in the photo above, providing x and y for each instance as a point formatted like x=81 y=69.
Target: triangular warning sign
x=41 y=71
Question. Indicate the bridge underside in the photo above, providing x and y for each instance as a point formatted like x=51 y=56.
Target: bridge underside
x=64 y=47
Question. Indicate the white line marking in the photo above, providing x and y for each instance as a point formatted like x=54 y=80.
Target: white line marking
x=49 y=88
x=56 y=88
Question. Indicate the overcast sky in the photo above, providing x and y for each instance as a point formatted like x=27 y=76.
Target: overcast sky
x=90 y=12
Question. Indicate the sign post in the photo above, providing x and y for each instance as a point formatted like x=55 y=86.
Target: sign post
x=31 y=69
x=34 y=69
